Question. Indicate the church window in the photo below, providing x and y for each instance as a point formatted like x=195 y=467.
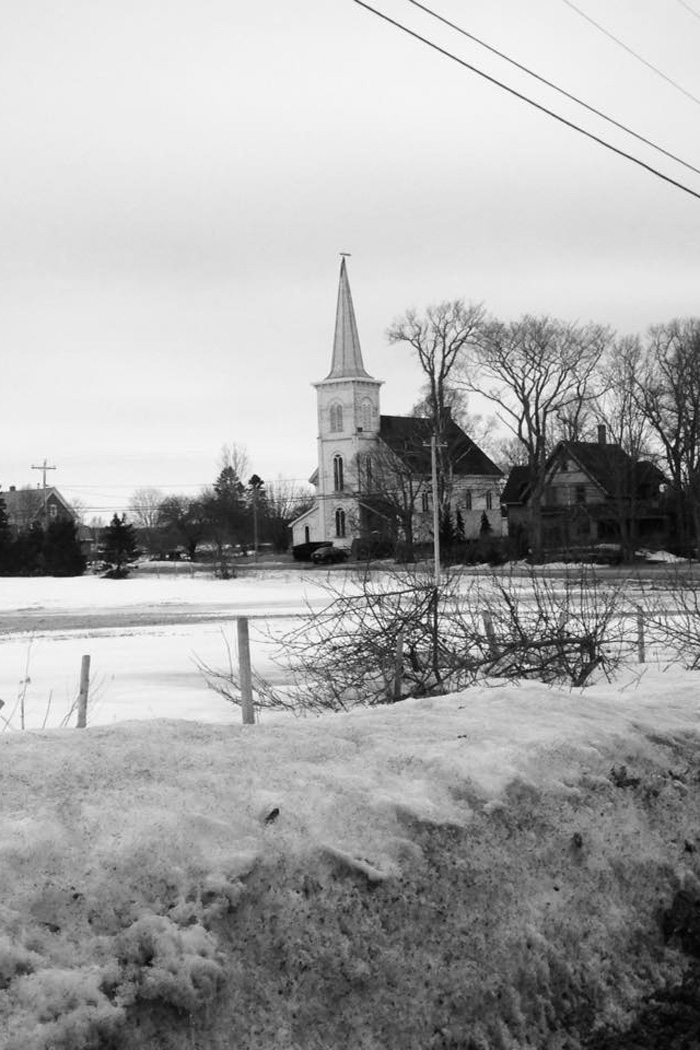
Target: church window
x=340 y=523
x=468 y=499
x=425 y=502
x=366 y=414
x=489 y=501
x=338 y=473
x=336 y=414
x=368 y=473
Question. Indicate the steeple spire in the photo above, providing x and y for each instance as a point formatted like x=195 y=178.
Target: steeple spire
x=347 y=355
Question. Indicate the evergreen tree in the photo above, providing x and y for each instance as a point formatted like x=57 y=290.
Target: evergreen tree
x=27 y=556
x=459 y=527
x=62 y=553
x=485 y=528
x=119 y=547
x=5 y=539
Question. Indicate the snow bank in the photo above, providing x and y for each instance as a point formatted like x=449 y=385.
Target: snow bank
x=486 y=866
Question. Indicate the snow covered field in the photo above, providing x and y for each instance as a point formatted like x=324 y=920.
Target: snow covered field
x=136 y=671
x=493 y=869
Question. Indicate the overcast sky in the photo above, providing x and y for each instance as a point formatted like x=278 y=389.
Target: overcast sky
x=179 y=176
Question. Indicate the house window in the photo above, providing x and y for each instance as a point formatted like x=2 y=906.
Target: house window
x=340 y=523
x=338 y=473
x=468 y=499
x=336 y=413
x=489 y=501
x=425 y=502
x=564 y=466
x=53 y=510
x=580 y=494
x=366 y=414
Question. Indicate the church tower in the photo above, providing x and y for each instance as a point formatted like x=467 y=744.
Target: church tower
x=348 y=426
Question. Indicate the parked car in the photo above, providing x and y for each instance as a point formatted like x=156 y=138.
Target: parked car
x=330 y=555
x=303 y=551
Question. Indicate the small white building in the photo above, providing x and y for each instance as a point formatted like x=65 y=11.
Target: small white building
x=374 y=472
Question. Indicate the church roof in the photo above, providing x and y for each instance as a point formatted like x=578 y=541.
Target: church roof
x=409 y=437
x=347 y=355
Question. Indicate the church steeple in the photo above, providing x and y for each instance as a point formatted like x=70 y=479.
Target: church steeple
x=347 y=355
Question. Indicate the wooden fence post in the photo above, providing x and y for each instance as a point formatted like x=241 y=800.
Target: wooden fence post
x=83 y=693
x=641 y=655
x=398 y=667
x=490 y=635
x=244 y=672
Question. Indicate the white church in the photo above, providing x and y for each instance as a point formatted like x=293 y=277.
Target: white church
x=355 y=444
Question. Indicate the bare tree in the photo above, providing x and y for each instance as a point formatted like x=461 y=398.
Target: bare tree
x=534 y=370
x=187 y=519
x=668 y=390
x=234 y=457
x=480 y=428
x=144 y=507
x=284 y=501
x=440 y=339
x=391 y=486
x=627 y=426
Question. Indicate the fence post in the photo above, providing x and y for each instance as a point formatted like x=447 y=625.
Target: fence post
x=83 y=693
x=244 y=672
x=398 y=667
x=490 y=635
x=641 y=655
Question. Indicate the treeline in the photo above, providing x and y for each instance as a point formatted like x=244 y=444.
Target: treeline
x=550 y=380
x=238 y=511
x=35 y=551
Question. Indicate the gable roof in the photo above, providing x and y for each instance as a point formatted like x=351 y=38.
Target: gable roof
x=608 y=465
x=409 y=438
x=617 y=473
x=517 y=485
x=24 y=506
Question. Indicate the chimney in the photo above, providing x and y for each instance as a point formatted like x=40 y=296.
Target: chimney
x=602 y=437
x=12 y=488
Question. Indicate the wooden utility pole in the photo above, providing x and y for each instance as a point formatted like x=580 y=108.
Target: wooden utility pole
x=43 y=468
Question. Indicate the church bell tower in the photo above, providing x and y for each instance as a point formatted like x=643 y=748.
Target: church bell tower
x=348 y=425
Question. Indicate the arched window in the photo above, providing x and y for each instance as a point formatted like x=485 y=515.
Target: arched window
x=340 y=523
x=307 y=534
x=336 y=414
x=489 y=500
x=366 y=414
x=425 y=502
x=338 y=473
x=468 y=499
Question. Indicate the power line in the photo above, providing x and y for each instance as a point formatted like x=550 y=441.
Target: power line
x=689 y=8
x=555 y=87
x=635 y=54
x=531 y=102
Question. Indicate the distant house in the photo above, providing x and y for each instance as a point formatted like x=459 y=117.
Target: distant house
x=373 y=478
x=594 y=493
x=28 y=506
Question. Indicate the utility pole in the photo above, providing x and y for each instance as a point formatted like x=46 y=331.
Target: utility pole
x=43 y=468
x=436 y=505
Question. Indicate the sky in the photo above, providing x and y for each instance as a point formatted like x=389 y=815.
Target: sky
x=178 y=180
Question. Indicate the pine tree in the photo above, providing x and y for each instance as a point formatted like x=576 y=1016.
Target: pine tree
x=485 y=528
x=5 y=539
x=62 y=553
x=459 y=527
x=119 y=547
